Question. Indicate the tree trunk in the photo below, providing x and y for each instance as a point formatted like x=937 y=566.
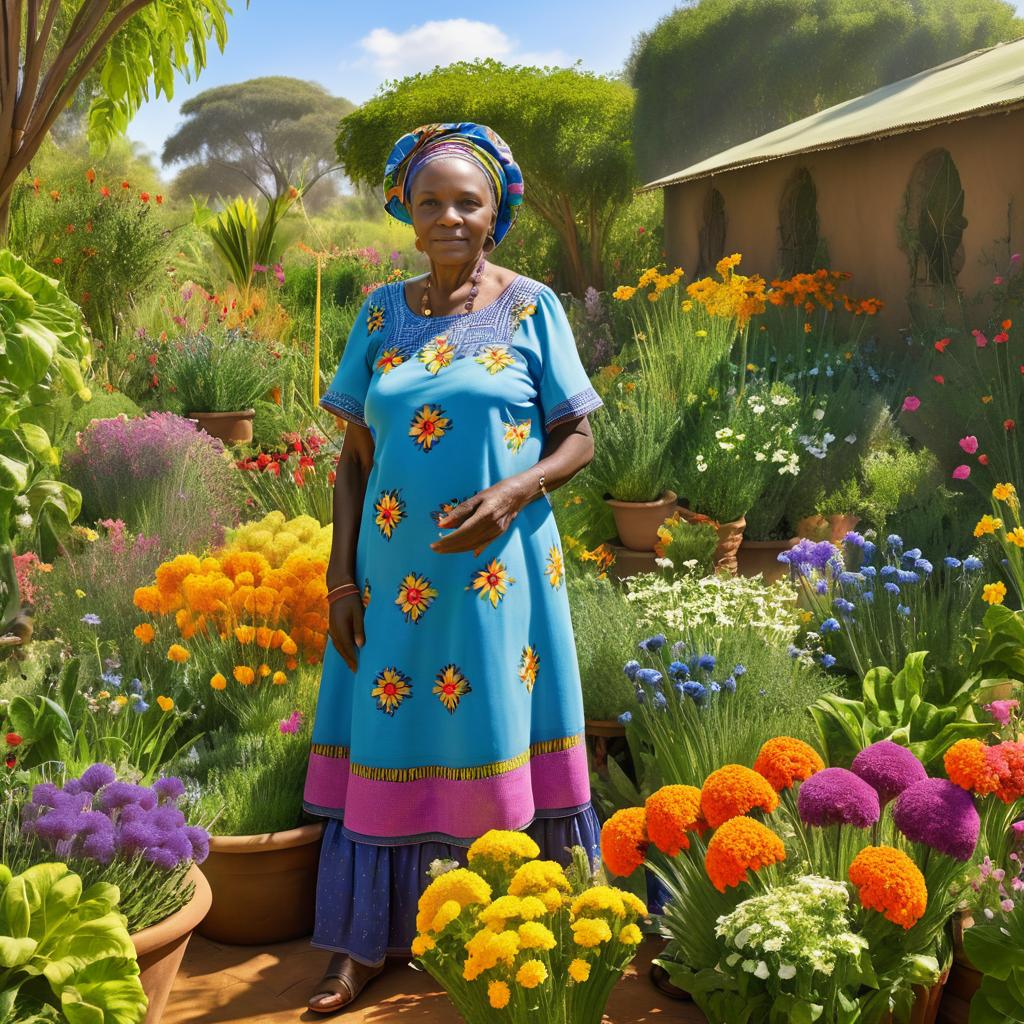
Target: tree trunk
x=5 y=219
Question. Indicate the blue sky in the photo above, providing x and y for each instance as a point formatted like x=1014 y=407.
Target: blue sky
x=352 y=47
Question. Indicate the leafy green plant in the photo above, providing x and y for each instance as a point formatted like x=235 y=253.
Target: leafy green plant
x=999 y=945
x=65 y=948
x=685 y=546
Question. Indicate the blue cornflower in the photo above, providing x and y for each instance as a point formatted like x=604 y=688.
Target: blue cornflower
x=139 y=706
x=112 y=679
x=923 y=565
x=653 y=643
x=649 y=676
x=678 y=669
x=903 y=610
x=972 y=564
x=821 y=587
x=729 y=684
x=869 y=596
x=91 y=619
x=696 y=691
x=625 y=718
x=631 y=668
x=659 y=701
x=887 y=571
x=912 y=555
x=891 y=588
x=895 y=542
x=869 y=571
x=857 y=540
x=951 y=563
x=714 y=687
x=793 y=651
x=907 y=576
x=706 y=661
x=851 y=579
x=869 y=550
x=827 y=660
x=740 y=670
x=135 y=686
x=843 y=605
x=830 y=625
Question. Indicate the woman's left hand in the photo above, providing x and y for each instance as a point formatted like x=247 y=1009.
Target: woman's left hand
x=479 y=519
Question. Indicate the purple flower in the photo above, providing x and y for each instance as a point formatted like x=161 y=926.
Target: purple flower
x=653 y=643
x=91 y=619
x=854 y=539
x=53 y=826
x=1002 y=710
x=121 y=794
x=100 y=847
x=200 y=840
x=808 y=555
x=888 y=768
x=45 y=794
x=167 y=817
x=836 y=796
x=939 y=814
x=161 y=857
x=169 y=787
x=96 y=776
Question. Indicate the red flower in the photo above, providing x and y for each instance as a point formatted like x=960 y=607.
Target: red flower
x=144 y=196
x=155 y=382
x=1001 y=338
x=55 y=196
x=298 y=477
x=983 y=459
x=13 y=739
x=11 y=761
x=939 y=379
x=125 y=185
x=1008 y=424
x=90 y=175
x=331 y=477
x=57 y=261
x=159 y=199
x=35 y=185
x=104 y=191
x=306 y=462
x=70 y=229
x=275 y=468
x=942 y=344
x=152 y=358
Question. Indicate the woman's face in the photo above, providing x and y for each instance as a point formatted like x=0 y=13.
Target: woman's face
x=452 y=211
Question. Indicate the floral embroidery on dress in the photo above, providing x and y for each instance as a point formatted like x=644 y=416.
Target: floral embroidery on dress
x=495 y=358
x=450 y=686
x=444 y=509
x=366 y=592
x=529 y=662
x=492 y=582
x=390 y=688
x=374 y=319
x=437 y=353
x=415 y=595
x=516 y=432
x=390 y=510
x=555 y=568
x=429 y=426
x=519 y=312
x=389 y=359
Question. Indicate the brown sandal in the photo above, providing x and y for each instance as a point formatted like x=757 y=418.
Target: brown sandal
x=346 y=981
x=661 y=981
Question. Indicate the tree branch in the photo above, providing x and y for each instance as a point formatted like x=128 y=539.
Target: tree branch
x=36 y=49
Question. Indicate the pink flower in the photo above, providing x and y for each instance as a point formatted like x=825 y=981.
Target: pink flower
x=980 y=338
x=997 y=280
x=911 y=403
x=292 y=723
x=1018 y=830
x=969 y=444
x=1001 y=710
x=1015 y=258
x=961 y=472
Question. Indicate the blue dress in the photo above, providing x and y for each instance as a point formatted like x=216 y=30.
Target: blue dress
x=465 y=711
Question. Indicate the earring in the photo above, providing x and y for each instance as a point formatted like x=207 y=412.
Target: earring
x=489 y=243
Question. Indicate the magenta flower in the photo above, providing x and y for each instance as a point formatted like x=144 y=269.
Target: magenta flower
x=888 y=768
x=836 y=796
x=979 y=338
x=969 y=444
x=1002 y=710
x=939 y=814
x=291 y=724
x=911 y=403
x=961 y=472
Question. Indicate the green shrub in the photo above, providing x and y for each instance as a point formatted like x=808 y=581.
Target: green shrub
x=73 y=416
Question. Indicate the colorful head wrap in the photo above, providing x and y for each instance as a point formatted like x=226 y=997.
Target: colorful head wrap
x=464 y=139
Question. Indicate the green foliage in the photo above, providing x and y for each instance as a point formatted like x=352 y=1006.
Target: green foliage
x=71 y=415
x=569 y=131
x=66 y=948
x=803 y=57
x=896 y=480
x=998 y=945
x=691 y=546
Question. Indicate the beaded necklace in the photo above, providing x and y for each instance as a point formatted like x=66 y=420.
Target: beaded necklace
x=473 y=292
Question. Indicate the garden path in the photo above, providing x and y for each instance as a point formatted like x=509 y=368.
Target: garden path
x=248 y=985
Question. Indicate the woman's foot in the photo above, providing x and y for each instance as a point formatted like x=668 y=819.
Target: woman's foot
x=343 y=980
x=661 y=981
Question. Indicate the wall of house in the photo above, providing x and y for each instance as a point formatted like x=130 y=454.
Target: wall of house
x=860 y=191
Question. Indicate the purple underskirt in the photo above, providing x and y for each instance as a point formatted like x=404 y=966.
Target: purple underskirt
x=366 y=895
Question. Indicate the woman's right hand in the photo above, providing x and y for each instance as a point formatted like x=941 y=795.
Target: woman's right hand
x=346 y=627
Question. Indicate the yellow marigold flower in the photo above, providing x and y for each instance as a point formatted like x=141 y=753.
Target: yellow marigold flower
x=597 y=900
x=536 y=877
x=532 y=907
x=498 y=994
x=534 y=935
x=686 y=307
x=497 y=914
x=623 y=292
x=579 y=970
x=218 y=682
x=144 y=632
x=634 y=903
x=421 y=944
x=177 y=653
x=987 y=524
x=461 y=885
x=244 y=675
x=288 y=646
x=1016 y=536
x=1002 y=492
x=590 y=931
x=264 y=671
x=245 y=634
x=888 y=881
x=103 y=694
x=147 y=599
x=630 y=935
x=166 y=704
x=701 y=333
x=503 y=847
x=264 y=636
x=121 y=699
x=279 y=678
x=733 y=790
x=450 y=910
x=532 y=974
x=993 y=593
x=487 y=949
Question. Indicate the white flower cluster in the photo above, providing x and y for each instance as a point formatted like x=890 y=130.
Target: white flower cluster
x=803 y=926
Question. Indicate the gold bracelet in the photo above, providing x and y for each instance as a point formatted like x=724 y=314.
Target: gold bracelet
x=543 y=489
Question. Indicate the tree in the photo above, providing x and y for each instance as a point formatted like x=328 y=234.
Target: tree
x=47 y=54
x=569 y=131
x=257 y=136
x=715 y=73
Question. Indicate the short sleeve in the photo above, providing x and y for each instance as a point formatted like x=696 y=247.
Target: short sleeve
x=564 y=388
x=347 y=393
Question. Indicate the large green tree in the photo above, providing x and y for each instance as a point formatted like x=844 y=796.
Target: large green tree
x=258 y=136
x=47 y=50
x=569 y=131
x=715 y=73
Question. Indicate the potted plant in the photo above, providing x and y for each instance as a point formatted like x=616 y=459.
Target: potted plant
x=216 y=376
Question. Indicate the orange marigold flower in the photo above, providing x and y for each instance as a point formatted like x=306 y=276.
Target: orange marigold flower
x=888 y=881
x=741 y=844
x=244 y=675
x=733 y=790
x=624 y=840
x=177 y=653
x=784 y=760
x=967 y=764
x=672 y=812
x=144 y=632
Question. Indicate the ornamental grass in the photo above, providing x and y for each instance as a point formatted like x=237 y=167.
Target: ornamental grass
x=510 y=936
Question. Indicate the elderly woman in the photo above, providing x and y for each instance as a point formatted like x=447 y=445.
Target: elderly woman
x=450 y=701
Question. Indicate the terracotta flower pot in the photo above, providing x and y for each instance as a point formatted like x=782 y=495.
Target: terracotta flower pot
x=840 y=525
x=730 y=536
x=600 y=734
x=762 y=556
x=637 y=522
x=161 y=946
x=629 y=562
x=264 y=886
x=833 y=528
x=926 y=1003
x=230 y=427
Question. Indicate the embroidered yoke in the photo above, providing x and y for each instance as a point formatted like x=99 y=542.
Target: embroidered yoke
x=465 y=711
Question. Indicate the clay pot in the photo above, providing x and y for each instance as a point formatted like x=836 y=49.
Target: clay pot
x=833 y=528
x=730 y=536
x=762 y=557
x=230 y=427
x=629 y=562
x=602 y=734
x=840 y=525
x=161 y=946
x=264 y=886
x=637 y=522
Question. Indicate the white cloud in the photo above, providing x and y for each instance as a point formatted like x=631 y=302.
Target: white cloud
x=422 y=47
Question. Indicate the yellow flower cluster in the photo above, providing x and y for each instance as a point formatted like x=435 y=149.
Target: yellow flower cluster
x=537 y=932
x=651 y=276
x=1008 y=530
x=734 y=297
x=245 y=613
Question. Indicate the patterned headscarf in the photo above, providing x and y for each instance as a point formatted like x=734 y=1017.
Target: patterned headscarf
x=467 y=140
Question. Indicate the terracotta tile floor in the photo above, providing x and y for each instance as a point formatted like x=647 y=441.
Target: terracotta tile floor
x=270 y=985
